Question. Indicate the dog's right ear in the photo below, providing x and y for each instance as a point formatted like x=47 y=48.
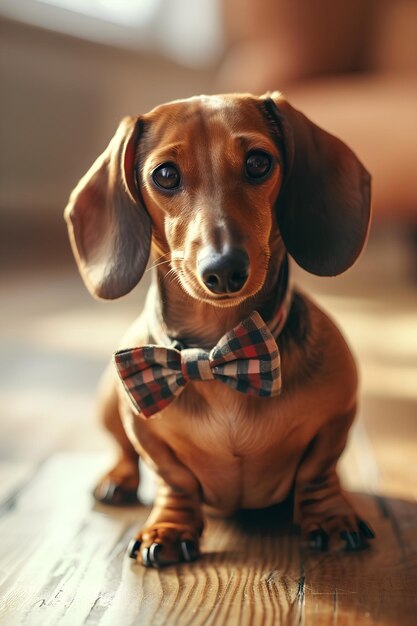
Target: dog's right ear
x=109 y=228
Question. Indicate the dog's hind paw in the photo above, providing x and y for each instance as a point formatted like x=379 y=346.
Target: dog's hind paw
x=328 y=520
x=119 y=486
x=354 y=536
x=110 y=492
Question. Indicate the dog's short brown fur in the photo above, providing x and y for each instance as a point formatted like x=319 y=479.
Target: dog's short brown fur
x=212 y=444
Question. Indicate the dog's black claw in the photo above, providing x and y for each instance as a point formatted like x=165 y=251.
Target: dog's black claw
x=105 y=491
x=366 y=530
x=150 y=556
x=146 y=561
x=133 y=548
x=154 y=554
x=353 y=541
x=190 y=551
x=319 y=540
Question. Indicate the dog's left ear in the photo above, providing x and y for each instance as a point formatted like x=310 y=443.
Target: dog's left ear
x=323 y=208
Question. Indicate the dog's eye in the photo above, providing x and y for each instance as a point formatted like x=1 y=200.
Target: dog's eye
x=258 y=164
x=166 y=176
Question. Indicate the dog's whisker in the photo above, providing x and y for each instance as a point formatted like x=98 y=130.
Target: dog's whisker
x=161 y=259
x=182 y=283
x=171 y=276
x=162 y=256
x=158 y=264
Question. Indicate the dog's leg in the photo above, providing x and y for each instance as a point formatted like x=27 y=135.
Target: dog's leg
x=172 y=531
x=119 y=485
x=321 y=507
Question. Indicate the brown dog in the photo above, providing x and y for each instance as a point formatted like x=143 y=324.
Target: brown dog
x=219 y=188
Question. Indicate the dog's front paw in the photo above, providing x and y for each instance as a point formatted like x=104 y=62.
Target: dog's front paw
x=165 y=544
x=333 y=523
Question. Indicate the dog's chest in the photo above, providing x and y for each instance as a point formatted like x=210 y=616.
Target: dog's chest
x=243 y=450
x=223 y=422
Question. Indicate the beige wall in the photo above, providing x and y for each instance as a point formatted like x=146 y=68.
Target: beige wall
x=61 y=99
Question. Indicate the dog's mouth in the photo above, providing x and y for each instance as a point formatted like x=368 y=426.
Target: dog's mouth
x=227 y=300
x=193 y=285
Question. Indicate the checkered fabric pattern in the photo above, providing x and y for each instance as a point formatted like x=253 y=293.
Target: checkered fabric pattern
x=246 y=359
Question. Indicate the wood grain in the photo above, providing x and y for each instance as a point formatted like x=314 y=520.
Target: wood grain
x=64 y=562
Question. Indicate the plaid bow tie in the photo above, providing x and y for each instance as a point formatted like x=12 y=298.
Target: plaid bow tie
x=246 y=359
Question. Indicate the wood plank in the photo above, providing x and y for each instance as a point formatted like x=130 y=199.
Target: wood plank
x=13 y=476
x=63 y=562
x=372 y=587
x=248 y=575
x=42 y=538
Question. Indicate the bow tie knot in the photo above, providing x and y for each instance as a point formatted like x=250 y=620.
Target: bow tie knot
x=195 y=364
x=246 y=359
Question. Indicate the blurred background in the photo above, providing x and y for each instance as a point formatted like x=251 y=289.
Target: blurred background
x=69 y=70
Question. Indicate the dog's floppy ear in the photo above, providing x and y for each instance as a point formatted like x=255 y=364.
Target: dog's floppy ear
x=323 y=209
x=109 y=228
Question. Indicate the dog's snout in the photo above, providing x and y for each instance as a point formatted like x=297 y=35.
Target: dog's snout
x=223 y=272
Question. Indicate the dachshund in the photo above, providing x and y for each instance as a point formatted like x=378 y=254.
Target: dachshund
x=232 y=385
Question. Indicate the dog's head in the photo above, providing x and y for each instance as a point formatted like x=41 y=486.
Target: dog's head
x=221 y=185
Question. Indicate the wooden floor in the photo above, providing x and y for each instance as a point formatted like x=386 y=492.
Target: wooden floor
x=63 y=558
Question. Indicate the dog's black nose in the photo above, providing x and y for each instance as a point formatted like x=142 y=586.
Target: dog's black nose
x=225 y=272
